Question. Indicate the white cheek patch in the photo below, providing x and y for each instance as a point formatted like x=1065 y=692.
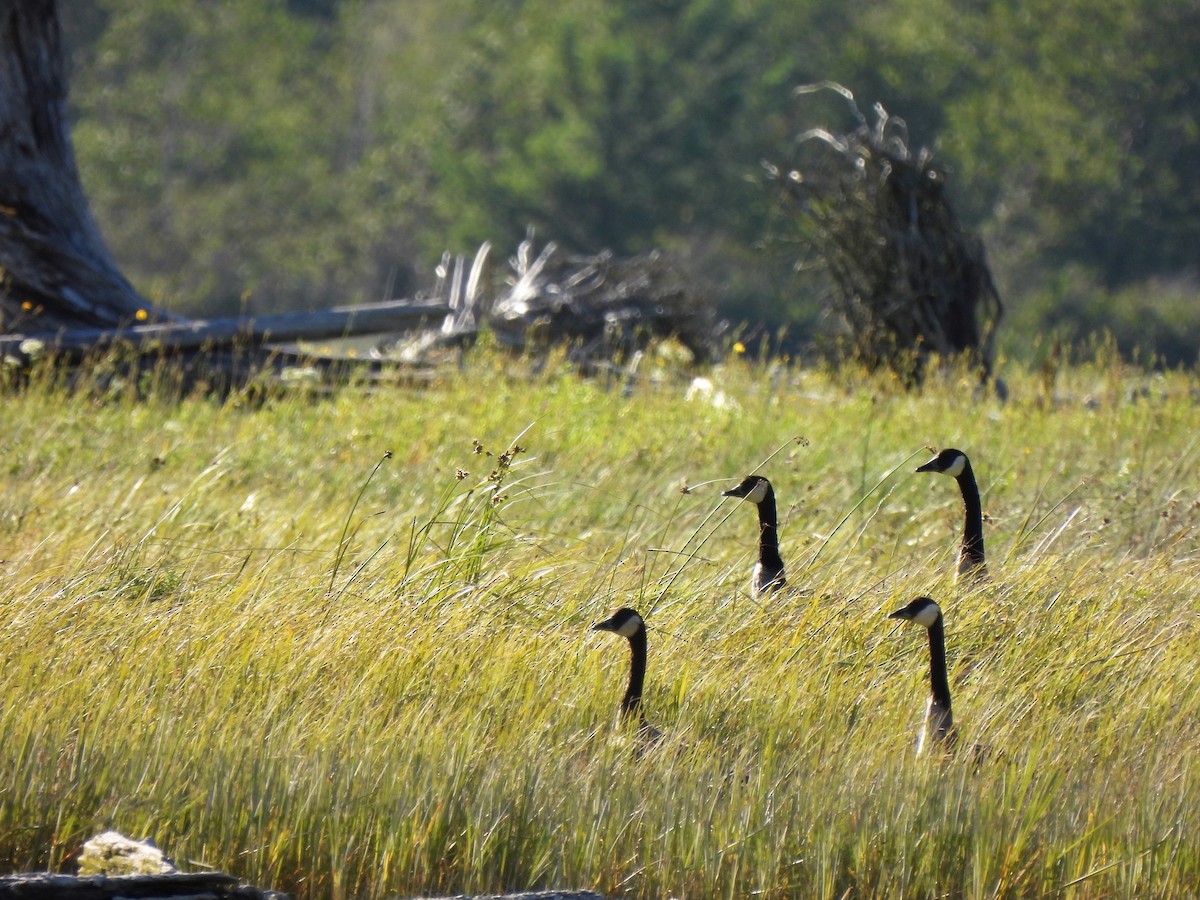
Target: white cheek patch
x=630 y=628
x=956 y=468
x=759 y=492
x=926 y=616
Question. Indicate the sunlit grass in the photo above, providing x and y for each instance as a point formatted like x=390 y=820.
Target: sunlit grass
x=244 y=631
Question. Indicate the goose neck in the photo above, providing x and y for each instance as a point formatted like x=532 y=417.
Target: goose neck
x=631 y=704
x=939 y=681
x=972 y=545
x=768 y=531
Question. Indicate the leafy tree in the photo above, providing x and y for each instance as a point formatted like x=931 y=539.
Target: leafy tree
x=601 y=124
x=1066 y=121
x=230 y=151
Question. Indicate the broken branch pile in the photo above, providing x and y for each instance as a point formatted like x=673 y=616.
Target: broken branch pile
x=605 y=307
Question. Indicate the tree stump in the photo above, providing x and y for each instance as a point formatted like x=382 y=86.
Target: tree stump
x=907 y=280
x=55 y=269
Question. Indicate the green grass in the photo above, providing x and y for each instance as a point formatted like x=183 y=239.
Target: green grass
x=241 y=630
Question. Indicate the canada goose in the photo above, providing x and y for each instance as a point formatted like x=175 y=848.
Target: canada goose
x=955 y=464
x=939 y=721
x=628 y=624
x=768 y=574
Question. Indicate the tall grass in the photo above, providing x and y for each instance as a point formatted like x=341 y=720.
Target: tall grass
x=243 y=631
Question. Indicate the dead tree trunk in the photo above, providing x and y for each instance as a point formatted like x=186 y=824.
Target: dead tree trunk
x=55 y=269
x=907 y=280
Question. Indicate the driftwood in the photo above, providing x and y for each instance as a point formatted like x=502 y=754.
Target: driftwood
x=907 y=280
x=211 y=885
x=604 y=307
x=208 y=885
x=462 y=294
x=199 y=334
x=113 y=866
x=219 y=355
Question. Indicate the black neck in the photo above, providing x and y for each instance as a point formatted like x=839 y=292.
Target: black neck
x=768 y=532
x=972 y=542
x=939 y=683
x=631 y=705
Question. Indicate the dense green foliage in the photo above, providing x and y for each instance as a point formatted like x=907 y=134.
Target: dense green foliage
x=306 y=153
x=244 y=632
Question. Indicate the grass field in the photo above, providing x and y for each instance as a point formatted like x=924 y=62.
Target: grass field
x=245 y=631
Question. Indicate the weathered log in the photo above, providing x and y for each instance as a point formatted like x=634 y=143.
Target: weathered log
x=215 y=885
x=199 y=334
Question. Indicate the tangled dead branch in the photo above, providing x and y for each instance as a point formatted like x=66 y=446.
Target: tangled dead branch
x=907 y=280
x=606 y=308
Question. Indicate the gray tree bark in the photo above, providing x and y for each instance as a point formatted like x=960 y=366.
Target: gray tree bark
x=55 y=269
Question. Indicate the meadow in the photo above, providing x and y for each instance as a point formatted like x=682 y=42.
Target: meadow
x=339 y=644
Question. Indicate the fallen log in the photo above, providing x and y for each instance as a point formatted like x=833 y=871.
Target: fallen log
x=200 y=334
x=182 y=886
x=213 y=885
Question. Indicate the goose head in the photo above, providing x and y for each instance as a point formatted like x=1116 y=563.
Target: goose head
x=921 y=611
x=753 y=488
x=625 y=621
x=949 y=462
